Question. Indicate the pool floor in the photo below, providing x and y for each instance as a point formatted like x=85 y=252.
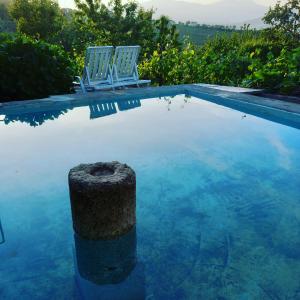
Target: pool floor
x=218 y=203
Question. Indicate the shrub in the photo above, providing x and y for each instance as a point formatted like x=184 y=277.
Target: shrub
x=32 y=69
x=171 y=66
x=279 y=73
x=222 y=61
x=247 y=59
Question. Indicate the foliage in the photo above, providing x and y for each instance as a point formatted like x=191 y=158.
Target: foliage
x=219 y=61
x=40 y=19
x=115 y=23
x=199 y=34
x=32 y=69
x=171 y=66
x=167 y=35
x=280 y=72
x=73 y=38
x=246 y=59
x=267 y=59
x=6 y=23
x=263 y=59
x=285 y=19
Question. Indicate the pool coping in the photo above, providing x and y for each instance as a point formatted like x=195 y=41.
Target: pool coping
x=232 y=96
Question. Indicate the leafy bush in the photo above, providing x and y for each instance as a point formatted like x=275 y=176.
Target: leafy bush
x=219 y=61
x=245 y=59
x=280 y=72
x=171 y=66
x=32 y=69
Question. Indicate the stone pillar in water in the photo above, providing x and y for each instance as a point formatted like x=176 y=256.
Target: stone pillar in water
x=106 y=261
x=103 y=200
x=108 y=269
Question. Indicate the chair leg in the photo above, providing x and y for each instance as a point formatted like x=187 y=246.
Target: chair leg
x=83 y=89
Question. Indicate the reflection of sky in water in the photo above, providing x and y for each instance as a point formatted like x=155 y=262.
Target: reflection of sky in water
x=218 y=201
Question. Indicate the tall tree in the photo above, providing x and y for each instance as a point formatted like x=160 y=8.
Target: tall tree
x=167 y=35
x=6 y=22
x=285 y=18
x=41 y=19
x=117 y=23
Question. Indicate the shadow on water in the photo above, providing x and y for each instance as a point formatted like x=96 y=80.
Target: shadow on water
x=108 y=269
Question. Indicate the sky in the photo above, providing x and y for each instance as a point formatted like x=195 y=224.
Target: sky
x=70 y=3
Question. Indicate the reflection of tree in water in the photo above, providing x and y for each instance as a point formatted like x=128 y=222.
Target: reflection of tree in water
x=34 y=119
x=169 y=100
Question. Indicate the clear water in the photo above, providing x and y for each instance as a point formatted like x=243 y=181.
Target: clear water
x=218 y=204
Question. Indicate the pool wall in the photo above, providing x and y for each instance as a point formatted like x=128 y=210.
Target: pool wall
x=278 y=111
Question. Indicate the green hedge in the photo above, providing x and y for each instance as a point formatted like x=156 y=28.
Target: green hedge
x=246 y=59
x=279 y=72
x=33 y=69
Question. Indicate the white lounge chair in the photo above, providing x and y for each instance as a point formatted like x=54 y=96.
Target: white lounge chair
x=124 y=67
x=97 y=73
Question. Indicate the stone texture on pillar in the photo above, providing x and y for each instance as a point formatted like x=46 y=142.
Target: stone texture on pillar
x=103 y=200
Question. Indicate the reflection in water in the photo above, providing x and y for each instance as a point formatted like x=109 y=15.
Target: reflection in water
x=129 y=104
x=102 y=109
x=2 y=238
x=34 y=119
x=108 y=269
x=37 y=115
x=168 y=100
x=219 y=220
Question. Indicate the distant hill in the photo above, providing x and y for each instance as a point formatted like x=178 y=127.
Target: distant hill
x=199 y=34
x=5 y=1
x=224 y=12
x=254 y=23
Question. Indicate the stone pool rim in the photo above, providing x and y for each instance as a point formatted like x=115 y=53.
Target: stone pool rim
x=243 y=100
x=229 y=93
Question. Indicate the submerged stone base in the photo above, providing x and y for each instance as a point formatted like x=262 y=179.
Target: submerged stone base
x=106 y=261
x=103 y=200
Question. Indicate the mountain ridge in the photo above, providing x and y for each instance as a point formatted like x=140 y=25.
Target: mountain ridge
x=224 y=12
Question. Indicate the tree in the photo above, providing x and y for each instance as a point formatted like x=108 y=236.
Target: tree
x=6 y=23
x=33 y=68
x=167 y=34
x=117 y=23
x=41 y=19
x=285 y=19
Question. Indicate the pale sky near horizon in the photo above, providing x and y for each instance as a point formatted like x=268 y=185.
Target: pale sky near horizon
x=70 y=3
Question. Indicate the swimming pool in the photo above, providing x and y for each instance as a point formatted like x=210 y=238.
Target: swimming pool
x=218 y=201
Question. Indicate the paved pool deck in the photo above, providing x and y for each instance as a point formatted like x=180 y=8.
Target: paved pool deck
x=236 y=98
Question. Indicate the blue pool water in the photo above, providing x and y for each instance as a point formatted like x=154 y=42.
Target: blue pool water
x=218 y=203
